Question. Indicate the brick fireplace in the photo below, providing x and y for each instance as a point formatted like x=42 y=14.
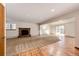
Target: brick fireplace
x=24 y=32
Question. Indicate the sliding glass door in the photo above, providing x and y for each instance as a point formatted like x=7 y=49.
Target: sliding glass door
x=60 y=30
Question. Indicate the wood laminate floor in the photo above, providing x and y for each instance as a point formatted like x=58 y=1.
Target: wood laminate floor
x=64 y=47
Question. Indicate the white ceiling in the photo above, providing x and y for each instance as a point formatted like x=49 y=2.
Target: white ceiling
x=37 y=12
x=69 y=20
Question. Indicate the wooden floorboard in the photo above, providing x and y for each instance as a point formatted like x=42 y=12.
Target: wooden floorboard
x=64 y=47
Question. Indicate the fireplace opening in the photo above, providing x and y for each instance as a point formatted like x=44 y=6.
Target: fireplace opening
x=24 y=32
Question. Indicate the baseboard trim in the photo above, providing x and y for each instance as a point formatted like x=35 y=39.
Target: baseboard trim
x=12 y=38
x=69 y=36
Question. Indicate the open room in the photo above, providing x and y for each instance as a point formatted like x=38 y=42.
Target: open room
x=42 y=29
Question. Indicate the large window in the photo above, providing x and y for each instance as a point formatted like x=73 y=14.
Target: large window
x=10 y=26
x=60 y=29
x=44 y=29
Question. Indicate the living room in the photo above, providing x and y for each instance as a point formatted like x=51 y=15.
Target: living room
x=41 y=29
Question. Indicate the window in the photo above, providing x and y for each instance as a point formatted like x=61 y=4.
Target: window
x=60 y=29
x=10 y=26
x=44 y=29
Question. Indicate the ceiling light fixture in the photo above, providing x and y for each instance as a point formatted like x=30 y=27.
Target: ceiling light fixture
x=52 y=10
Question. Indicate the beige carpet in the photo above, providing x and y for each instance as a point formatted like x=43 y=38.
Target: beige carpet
x=27 y=43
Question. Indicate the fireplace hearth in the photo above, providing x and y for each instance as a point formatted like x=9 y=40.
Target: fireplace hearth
x=24 y=32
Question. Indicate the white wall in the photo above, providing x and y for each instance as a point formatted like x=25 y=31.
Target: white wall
x=70 y=29
x=15 y=33
x=77 y=31
x=53 y=29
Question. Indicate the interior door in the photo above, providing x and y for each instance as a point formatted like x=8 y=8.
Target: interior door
x=1 y=30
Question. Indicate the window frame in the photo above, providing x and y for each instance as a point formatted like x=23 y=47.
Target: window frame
x=10 y=26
